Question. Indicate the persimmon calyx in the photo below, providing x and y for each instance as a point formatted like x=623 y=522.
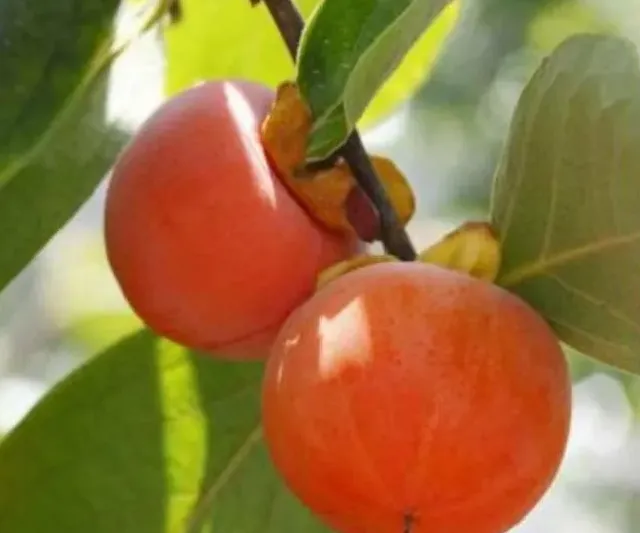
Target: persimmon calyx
x=472 y=248
x=348 y=265
x=285 y=130
x=325 y=192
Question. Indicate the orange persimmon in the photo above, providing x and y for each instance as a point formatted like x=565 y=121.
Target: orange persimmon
x=208 y=246
x=409 y=397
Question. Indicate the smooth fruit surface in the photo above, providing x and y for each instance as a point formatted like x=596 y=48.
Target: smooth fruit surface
x=411 y=397
x=207 y=245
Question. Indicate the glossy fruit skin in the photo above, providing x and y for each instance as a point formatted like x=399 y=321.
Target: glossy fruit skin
x=407 y=392
x=207 y=245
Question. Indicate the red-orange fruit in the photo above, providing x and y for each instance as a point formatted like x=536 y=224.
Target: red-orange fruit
x=408 y=397
x=208 y=246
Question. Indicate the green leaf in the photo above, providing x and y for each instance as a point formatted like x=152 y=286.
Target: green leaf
x=567 y=196
x=96 y=331
x=226 y=39
x=229 y=39
x=556 y=21
x=147 y=438
x=55 y=144
x=348 y=51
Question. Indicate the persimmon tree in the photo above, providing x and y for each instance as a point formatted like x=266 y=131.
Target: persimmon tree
x=236 y=222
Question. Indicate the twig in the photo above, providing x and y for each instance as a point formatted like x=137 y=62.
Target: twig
x=175 y=10
x=288 y=21
x=394 y=237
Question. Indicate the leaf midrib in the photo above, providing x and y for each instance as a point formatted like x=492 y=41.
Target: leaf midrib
x=201 y=510
x=545 y=264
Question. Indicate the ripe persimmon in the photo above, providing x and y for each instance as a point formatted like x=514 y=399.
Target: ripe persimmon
x=409 y=397
x=208 y=246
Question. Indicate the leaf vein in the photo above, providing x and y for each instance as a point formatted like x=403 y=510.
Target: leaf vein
x=544 y=264
x=199 y=513
x=613 y=311
x=586 y=334
x=523 y=142
x=557 y=149
x=615 y=163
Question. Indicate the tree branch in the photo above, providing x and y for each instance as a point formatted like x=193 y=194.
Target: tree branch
x=393 y=235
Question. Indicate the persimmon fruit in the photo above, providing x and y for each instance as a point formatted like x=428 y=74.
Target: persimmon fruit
x=207 y=245
x=410 y=397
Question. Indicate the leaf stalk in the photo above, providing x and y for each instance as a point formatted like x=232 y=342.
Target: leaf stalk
x=394 y=237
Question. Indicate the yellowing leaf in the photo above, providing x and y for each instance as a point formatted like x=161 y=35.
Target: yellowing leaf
x=472 y=248
x=349 y=265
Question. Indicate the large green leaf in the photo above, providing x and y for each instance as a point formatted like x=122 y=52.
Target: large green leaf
x=147 y=438
x=226 y=39
x=96 y=331
x=348 y=51
x=44 y=56
x=229 y=39
x=567 y=197
x=55 y=144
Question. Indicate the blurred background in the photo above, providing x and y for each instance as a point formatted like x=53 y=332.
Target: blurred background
x=446 y=138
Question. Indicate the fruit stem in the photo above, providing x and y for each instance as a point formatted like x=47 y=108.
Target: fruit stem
x=394 y=237
x=174 y=9
x=408 y=523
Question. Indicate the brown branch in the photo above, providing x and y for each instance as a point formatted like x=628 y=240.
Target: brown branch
x=393 y=235
x=288 y=20
x=175 y=11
